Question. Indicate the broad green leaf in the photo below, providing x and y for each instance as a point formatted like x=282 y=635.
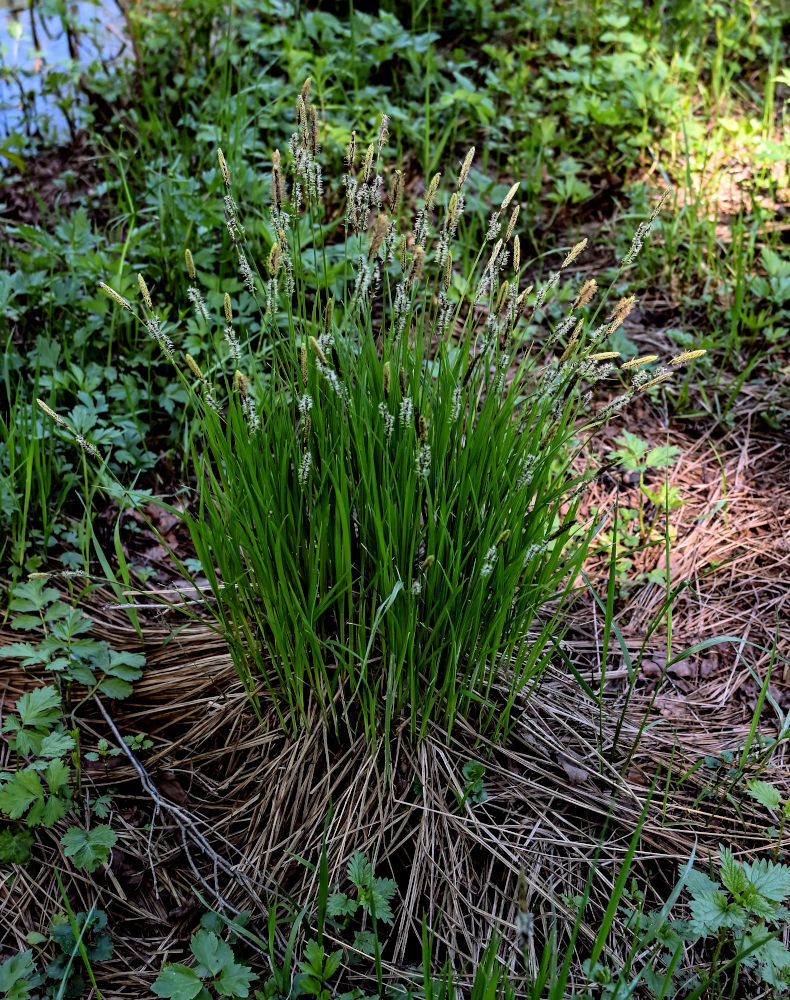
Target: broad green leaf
x=88 y=848
x=56 y=745
x=18 y=974
x=15 y=847
x=114 y=687
x=235 y=981
x=39 y=708
x=211 y=951
x=339 y=905
x=178 y=982
x=19 y=792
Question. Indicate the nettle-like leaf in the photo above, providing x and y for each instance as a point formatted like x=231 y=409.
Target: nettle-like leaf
x=765 y=793
x=88 y=848
x=768 y=879
x=360 y=870
x=376 y=899
x=732 y=873
x=712 y=911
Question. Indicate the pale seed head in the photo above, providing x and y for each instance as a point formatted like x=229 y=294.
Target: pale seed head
x=422 y=429
x=223 y=166
x=241 y=383
x=190 y=264
x=685 y=356
x=194 y=367
x=330 y=307
x=144 y=292
x=115 y=296
x=50 y=412
x=228 y=309
x=516 y=254
x=574 y=253
x=509 y=196
x=430 y=194
x=512 y=224
x=427 y=562
x=603 y=356
x=655 y=381
x=303 y=362
x=368 y=165
x=317 y=350
x=273 y=260
x=378 y=232
x=639 y=362
x=465 y=167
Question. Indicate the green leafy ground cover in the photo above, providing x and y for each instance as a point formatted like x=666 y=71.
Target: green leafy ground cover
x=596 y=109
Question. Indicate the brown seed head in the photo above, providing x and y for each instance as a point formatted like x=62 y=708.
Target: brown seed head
x=228 y=309
x=503 y=537
x=396 y=191
x=402 y=380
x=351 y=150
x=330 y=307
x=448 y=271
x=314 y=144
x=416 y=264
x=385 y=380
x=303 y=363
x=422 y=429
x=585 y=295
x=378 y=232
x=241 y=383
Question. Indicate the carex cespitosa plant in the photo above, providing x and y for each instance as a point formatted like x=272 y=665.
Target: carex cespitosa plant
x=385 y=506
